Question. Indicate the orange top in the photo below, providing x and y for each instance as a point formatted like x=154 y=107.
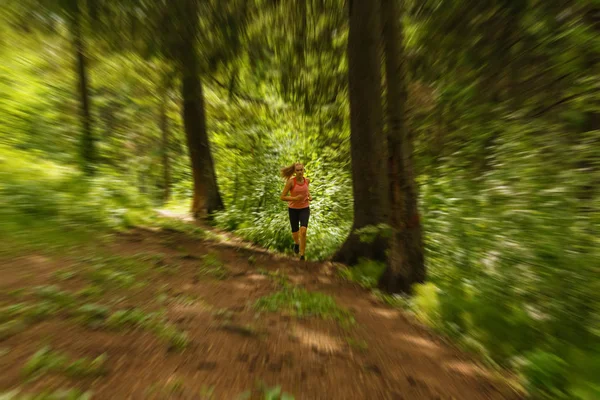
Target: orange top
x=297 y=190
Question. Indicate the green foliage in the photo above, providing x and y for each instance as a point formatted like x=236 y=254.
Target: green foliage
x=366 y=273
x=206 y=392
x=302 y=303
x=174 y=387
x=102 y=275
x=393 y=300
x=85 y=367
x=65 y=275
x=426 y=303
x=369 y=233
x=176 y=339
x=153 y=322
x=275 y=393
x=45 y=205
x=27 y=312
x=43 y=361
x=266 y=393
x=359 y=345
x=121 y=319
x=175 y=225
x=279 y=277
x=545 y=375
x=55 y=295
x=60 y=394
x=92 y=315
x=505 y=129
x=259 y=216
x=11 y=328
x=91 y=291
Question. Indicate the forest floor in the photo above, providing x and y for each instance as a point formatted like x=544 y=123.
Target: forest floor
x=110 y=318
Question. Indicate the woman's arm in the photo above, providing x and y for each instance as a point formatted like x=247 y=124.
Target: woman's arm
x=286 y=190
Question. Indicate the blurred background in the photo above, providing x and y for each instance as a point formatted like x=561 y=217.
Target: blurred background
x=502 y=109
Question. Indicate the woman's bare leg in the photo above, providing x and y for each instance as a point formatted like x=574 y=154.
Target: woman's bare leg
x=302 y=240
x=296 y=236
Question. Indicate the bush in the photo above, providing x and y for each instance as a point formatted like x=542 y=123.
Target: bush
x=42 y=195
x=366 y=273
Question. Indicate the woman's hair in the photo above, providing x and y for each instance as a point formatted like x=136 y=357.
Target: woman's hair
x=288 y=172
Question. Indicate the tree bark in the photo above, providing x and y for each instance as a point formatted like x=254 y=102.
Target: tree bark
x=406 y=262
x=206 y=199
x=87 y=144
x=164 y=128
x=368 y=148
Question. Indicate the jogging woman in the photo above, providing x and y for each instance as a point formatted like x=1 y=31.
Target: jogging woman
x=298 y=204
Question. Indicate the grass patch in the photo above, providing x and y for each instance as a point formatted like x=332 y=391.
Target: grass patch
x=176 y=339
x=302 y=303
x=265 y=392
x=16 y=317
x=158 y=261
x=11 y=328
x=175 y=387
x=278 y=277
x=91 y=291
x=178 y=226
x=47 y=360
x=43 y=361
x=65 y=275
x=60 y=394
x=106 y=276
x=366 y=273
x=153 y=322
x=357 y=344
x=393 y=300
x=16 y=292
x=86 y=367
x=92 y=315
x=55 y=295
x=207 y=392
x=212 y=266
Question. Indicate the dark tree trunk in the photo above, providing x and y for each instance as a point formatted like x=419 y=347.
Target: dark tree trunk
x=164 y=128
x=206 y=199
x=406 y=262
x=368 y=148
x=87 y=146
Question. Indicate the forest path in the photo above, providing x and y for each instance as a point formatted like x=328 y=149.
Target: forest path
x=207 y=286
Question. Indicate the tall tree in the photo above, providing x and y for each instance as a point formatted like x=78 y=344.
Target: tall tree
x=88 y=149
x=368 y=146
x=173 y=31
x=406 y=262
x=165 y=90
x=75 y=13
x=206 y=199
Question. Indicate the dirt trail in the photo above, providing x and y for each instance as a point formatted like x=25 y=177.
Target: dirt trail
x=383 y=356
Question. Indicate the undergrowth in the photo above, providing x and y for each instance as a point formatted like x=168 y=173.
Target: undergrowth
x=47 y=360
x=366 y=273
x=51 y=207
x=58 y=394
x=302 y=303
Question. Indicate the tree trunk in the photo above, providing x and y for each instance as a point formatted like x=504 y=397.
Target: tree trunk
x=406 y=262
x=164 y=128
x=87 y=146
x=368 y=148
x=206 y=199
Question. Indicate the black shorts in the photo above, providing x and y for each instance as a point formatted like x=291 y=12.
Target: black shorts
x=299 y=216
